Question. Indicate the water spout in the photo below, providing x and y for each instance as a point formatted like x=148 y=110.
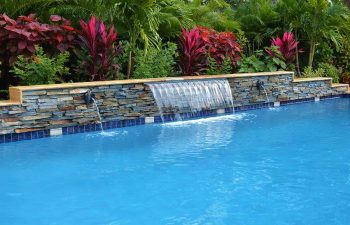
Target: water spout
x=90 y=98
x=260 y=85
x=98 y=114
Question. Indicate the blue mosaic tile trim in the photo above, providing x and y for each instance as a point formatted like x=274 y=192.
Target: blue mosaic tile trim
x=105 y=125
x=14 y=137
x=334 y=96
x=6 y=138
x=295 y=101
x=252 y=107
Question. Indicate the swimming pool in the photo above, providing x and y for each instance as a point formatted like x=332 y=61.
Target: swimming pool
x=287 y=165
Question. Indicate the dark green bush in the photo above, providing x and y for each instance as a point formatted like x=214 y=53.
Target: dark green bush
x=155 y=62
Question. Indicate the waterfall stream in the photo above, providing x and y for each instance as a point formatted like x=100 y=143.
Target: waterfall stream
x=98 y=114
x=192 y=96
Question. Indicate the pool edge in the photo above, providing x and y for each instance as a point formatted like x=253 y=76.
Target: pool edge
x=113 y=124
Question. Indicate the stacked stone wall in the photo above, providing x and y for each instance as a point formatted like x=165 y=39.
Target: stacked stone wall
x=49 y=107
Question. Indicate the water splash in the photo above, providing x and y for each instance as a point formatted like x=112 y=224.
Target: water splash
x=191 y=96
x=215 y=119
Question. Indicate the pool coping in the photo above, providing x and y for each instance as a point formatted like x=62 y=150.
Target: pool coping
x=113 y=124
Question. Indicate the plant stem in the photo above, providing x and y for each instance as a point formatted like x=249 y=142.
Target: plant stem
x=312 y=52
x=297 y=57
x=129 y=64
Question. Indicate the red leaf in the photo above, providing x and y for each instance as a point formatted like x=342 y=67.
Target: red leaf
x=69 y=28
x=31 y=48
x=22 y=45
x=13 y=49
x=55 y=18
x=287 y=46
x=99 y=42
x=59 y=37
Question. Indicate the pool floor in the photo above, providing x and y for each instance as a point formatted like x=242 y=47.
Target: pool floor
x=280 y=166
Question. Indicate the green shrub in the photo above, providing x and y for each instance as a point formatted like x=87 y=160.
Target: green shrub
x=262 y=62
x=41 y=69
x=345 y=78
x=309 y=72
x=214 y=68
x=155 y=62
x=330 y=71
x=251 y=64
x=323 y=70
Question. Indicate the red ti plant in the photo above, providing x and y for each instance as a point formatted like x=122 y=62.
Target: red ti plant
x=101 y=47
x=288 y=47
x=221 y=45
x=193 y=53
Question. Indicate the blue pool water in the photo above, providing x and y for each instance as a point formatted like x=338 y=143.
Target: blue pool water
x=285 y=166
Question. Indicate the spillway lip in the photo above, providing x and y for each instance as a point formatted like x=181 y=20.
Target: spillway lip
x=174 y=79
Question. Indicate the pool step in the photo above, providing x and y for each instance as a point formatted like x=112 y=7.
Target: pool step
x=311 y=79
x=341 y=87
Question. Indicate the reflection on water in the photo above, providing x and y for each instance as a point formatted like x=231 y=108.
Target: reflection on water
x=190 y=138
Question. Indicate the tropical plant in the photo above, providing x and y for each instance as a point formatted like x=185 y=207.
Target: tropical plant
x=287 y=46
x=276 y=60
x=258 y=20
x=215 y=14
x=159 y=62
x=252 y=64
x=41 y=69
x=141 y=23
x=102 y=50
x=262 y=62
x=192 y=52
x=61 y=35
x=221 y=45
x=291 y=19
x=15 y=8
x=324 y=20
x=73 y=9
x=341 y=58
x=345 y=78
x=330 y=71
x=224 y=68
x=310 y=72
x=19 y=37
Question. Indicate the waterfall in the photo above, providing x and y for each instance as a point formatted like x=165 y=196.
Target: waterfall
x=192 y=96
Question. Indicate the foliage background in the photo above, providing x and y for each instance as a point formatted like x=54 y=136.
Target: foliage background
x=320 y=27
